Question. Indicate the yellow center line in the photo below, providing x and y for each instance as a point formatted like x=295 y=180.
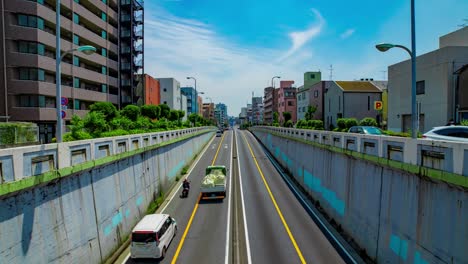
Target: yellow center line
x=291 y=237
x=182 y=240
x=181 y=243
x=217 y=151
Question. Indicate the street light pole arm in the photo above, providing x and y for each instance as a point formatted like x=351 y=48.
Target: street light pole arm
x=405 y=48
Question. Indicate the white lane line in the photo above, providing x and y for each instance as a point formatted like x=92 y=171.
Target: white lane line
x=173 y=195
x=247 y=243
x=226 y=257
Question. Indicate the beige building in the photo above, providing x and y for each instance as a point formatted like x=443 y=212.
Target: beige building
x=28 y=46
x=442 y=85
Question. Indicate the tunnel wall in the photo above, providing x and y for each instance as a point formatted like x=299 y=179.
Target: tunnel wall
x=84 y=216
x=394 y=215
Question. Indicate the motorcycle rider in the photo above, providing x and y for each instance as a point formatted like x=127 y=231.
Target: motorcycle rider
x=186 y=184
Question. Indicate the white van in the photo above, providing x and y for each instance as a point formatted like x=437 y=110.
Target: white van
x=152 y=235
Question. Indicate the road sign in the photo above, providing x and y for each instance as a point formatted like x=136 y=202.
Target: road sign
x=64 y=107
x=378 y=105
x=64 y=114
x=64 y=101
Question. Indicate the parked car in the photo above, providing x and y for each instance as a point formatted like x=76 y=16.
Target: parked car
x=448 y=133
x=368 y=130
x=152 y=235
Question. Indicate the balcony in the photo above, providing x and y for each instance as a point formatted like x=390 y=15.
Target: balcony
x=125 y=82
x=139 y=19
x=125 y=17
x=139 y=34
x=125 y=33
x=125 y=50
x=139 y=48
x=125 y=66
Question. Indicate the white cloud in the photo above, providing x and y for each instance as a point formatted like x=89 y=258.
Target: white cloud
x=299 y=38
x=348 y=33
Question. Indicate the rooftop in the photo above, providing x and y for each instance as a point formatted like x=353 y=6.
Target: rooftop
x=357 y=86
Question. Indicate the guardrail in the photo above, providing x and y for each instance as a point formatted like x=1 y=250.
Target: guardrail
x=440 y=155
x=22 y=162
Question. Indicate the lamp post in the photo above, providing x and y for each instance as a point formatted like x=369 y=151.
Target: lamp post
x=88 y=50
x=386 y=46
x=272 y=85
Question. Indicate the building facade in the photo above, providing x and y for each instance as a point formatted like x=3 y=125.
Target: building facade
x=257 y=110
x=287 y=101
x=439 y=85
x=189 y=92
x=350 y=99
x=200 y=104
x=304 y=94
x=28 y=42
x=221 y=114
x=152 y=93
x=208 y=111
x=270 y=104
x=171 y=93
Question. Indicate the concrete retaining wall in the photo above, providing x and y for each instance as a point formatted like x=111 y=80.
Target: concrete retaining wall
x=84 y=216
x=395 y=215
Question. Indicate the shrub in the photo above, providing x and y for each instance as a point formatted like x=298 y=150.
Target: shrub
x=350 y=122
x=143 y=123
x=151 y=111
x=18 y=132
x=132 y=112
x=122 y=123
x=464 y=122
x=106 y=108
x=397 y=134
x=301 y=124
x=78 y=135
x=288 y=123
x=165 y=111
x=341 y=123
x=368 y=121
x=95 y=123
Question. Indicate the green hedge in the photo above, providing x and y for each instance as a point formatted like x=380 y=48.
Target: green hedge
x=18 y=133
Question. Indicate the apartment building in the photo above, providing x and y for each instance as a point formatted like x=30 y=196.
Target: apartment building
x=270 y=104
x=287 y=100
x=208 y=111
x=191 y=99
x=28 y=61
x=220 y=114
x=171 y=93
x=152 y=87
x=257 y=110
x=305 y=94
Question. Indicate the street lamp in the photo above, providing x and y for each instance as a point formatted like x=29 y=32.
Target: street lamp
x=88 y=50
x=273 y=79
x=386 y=46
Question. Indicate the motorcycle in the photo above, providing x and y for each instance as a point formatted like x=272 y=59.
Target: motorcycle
x=185 y=190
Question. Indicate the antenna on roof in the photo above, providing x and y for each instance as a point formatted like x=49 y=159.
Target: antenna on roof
x=465 y=23
x=331 y=72
x=384 y=73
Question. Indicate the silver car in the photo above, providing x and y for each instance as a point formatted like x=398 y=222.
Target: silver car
x=448 y=133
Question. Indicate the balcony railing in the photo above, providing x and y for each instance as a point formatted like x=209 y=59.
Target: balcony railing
x=125 y=82
x=125 y=66
x=125 y=50
x=125 y=17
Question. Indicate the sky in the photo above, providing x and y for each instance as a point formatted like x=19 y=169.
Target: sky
x=233 y=48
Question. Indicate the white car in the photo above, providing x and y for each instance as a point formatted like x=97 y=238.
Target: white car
x=152 y=235
x=448 y=133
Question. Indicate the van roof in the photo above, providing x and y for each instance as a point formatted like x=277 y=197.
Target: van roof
x=150 y=222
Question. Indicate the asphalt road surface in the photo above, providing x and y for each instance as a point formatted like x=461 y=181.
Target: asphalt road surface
x=259 y=221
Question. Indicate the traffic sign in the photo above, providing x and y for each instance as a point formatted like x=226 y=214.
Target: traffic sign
x=64 y=101
x=378 y=105
x=64 y=107
x=64 y=114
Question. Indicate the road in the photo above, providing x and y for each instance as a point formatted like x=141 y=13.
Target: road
x=260 y=220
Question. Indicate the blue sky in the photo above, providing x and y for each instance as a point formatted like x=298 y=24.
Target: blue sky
x=233 y=48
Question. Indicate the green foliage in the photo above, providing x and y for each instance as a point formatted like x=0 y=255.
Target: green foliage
x=106 y=108
x=341 y=123
x=301 y=124
x=95 y=123
x=154 y=205
x=310 y=112
x=165 y=111
x=350 y=122
x=288 y=123
x=368 y=121
x=275 y=124
x=132 y=112
x=287 y=116
x=275 y=117
x=464 y=122
x=397 y=134
x=185 y=169
x=18 y=132
x=151 y=111
x=173 y=115
x=115 y=133
x=181 y=114
x=122 y=123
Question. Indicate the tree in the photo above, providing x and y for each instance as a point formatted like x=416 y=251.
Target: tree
x=165 y=111
x=106 y=108
x=132 y=112
x=368 y=121
x=310 y=112
x=287 y=116
x=151 y=111
x=95 y=123
x=275 y=117
x=193 y=117
x=173 y=115
x=181 y=114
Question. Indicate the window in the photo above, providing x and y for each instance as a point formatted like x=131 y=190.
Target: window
x=38 y=1
x=31 y=74
x=165 y=90
x=76 y=61
x=104 y=88
x=76 y=105
x=316 y=93
x=76 y=82
x=77 y=1
x=104 y=52
x=104 y=34
x=30 y=21
x=165 y=102
x=104 y=1
x=104 y=70
x=103 y=16
x=368 y=103
x=420 y=87
x=303 y=109
x=76 y=18
x=76 y=39
x=290 y=103
x=31 y=47
x=312 y=76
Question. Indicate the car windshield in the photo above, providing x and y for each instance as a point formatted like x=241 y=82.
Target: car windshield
x=144 y=237
x=373 y=131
